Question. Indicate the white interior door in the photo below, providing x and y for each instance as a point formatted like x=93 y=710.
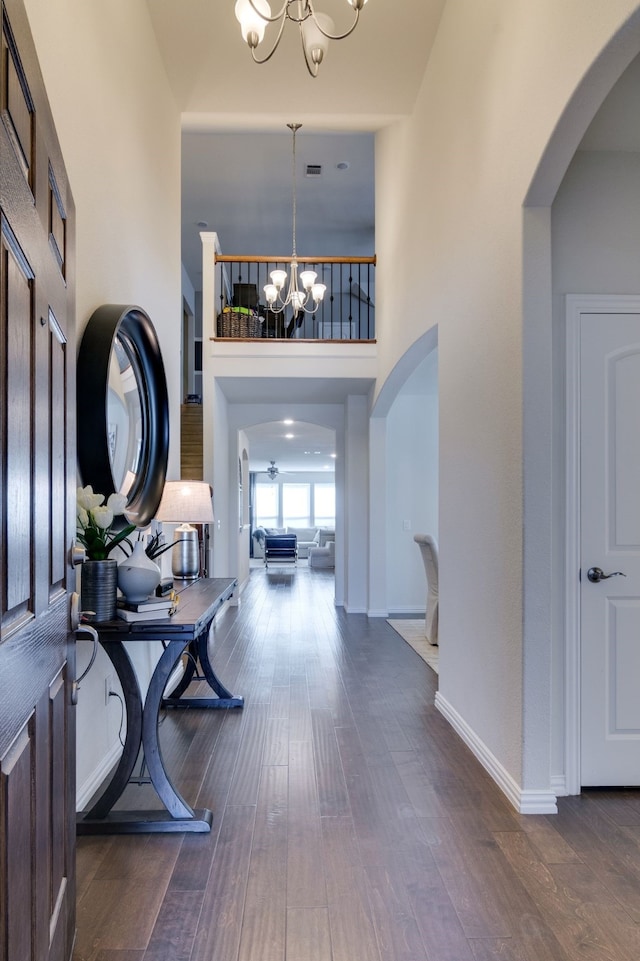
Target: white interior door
x=610 y=541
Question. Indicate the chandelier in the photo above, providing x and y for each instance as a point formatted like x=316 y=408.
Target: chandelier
x=309 y=297
x=316 y=29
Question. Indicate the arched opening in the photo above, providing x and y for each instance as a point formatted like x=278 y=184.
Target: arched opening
x=572 y=188
x=292 y=488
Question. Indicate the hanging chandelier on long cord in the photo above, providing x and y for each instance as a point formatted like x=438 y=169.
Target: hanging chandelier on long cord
x=316 y=29
x=308 y=298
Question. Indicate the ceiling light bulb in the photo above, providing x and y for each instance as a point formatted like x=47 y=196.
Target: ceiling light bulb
x=308 y=278
x=317 y=292
x=253 y=22
x=270 y=292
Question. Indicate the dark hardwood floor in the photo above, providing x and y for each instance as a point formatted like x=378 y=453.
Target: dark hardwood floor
x=350 y=822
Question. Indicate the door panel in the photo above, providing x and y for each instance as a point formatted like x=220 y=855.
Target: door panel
x=610 y=540
x=37 y=514
x=18 y=474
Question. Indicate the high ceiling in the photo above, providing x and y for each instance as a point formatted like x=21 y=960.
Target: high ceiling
x=236 y=164
x=240 y=185
x=365 y=80
x=294 y=446
x=237 y=149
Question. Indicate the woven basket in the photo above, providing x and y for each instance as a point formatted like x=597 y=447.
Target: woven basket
x=239 y=323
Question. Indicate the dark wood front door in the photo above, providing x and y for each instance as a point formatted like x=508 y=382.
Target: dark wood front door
x=37 y=487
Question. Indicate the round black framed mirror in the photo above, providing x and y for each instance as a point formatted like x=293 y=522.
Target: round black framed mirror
x=123 y=409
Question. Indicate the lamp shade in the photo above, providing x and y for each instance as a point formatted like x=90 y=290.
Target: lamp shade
x=278 y=278
x=308 y=278
x=186 y=501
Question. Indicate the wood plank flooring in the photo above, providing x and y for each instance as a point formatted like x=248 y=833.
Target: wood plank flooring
x=350 y=822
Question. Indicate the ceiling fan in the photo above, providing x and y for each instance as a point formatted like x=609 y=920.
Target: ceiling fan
x=272 y=470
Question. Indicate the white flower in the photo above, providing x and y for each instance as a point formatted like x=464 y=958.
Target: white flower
x=87 y=499
x=83 y=516
x=102 y=517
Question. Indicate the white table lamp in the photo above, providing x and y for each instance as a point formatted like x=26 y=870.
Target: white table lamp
x=186 y=503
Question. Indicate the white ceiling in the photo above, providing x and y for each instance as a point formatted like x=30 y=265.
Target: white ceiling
x=365 y=80
x=293 y=446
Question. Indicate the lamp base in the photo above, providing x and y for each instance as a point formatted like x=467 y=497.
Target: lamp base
x=185 y=554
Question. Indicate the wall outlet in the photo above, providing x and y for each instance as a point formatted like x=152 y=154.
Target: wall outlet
x=406 y=525
x=109 y=687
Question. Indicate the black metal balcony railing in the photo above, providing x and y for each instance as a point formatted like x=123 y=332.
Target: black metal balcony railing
x=346 y=313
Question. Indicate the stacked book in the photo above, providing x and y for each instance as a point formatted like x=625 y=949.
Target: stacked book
x=154 y=608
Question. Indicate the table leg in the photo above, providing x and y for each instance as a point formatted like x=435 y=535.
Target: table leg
x=200 y=649
x=142 y=727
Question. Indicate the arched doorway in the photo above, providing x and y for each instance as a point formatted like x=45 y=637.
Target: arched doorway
x=292 y=486
x=552 y=249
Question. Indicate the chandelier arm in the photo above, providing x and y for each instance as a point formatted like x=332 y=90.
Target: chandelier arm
x=273 y=49
x=281 y=12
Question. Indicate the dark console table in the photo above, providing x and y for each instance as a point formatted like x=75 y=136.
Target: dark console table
x=199 y=601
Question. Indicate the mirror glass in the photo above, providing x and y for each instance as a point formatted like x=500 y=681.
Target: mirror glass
x=123 y=410
x=124 y=418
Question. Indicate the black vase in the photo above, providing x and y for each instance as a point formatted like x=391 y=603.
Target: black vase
x=98 y=590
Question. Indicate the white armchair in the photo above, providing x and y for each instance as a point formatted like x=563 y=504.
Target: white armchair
x=323 y=556
x=429 y=551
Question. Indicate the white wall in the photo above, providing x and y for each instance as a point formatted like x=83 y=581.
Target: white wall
x=412 y=486
x=119 y=131
x=595 y=230
x=451 y=184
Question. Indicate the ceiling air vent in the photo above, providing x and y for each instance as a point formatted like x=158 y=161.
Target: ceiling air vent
x=313 y=170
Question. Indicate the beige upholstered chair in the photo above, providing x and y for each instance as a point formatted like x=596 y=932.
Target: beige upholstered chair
x=429 y=550
x=323 y=556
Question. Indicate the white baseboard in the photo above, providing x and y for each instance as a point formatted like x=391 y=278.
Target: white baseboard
x=85 y=791
x=525 y=802
x=559 y=785
x=376 y=613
